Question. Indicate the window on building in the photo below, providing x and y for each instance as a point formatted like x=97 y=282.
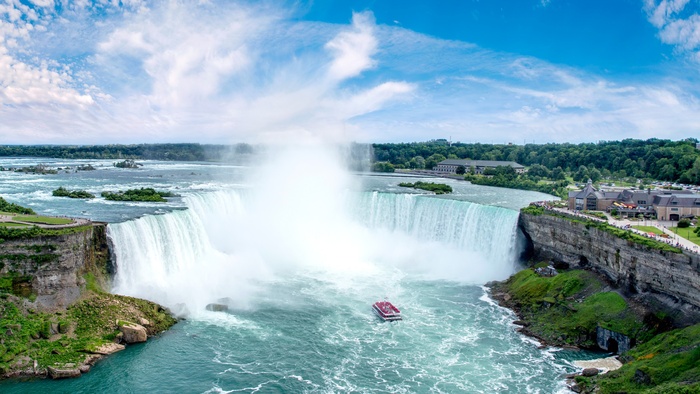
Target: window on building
x=591 y=204
x=641 y=202
x=674 y=209
x=674 y=202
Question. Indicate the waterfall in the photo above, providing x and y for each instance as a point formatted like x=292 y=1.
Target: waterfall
x=228 y=244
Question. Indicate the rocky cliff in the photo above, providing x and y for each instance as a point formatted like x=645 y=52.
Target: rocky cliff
x=51 y=270
x=664 y=280
x=56 y=317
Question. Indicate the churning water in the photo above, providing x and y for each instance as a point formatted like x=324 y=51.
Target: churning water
x=298 y=264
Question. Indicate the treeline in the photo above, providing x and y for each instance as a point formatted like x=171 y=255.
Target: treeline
x=505 y=176
x=675 y=161
x=175 y=152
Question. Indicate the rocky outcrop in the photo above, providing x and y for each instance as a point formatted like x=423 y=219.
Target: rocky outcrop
x=51 y=270
x=665 y=280
x=70 y=371
x=132 y=332
x=613 y=341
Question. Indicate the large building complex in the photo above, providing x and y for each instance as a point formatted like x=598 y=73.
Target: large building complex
x=664 y=204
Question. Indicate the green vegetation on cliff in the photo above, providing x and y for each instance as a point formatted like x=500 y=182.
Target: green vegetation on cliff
x=142 y=194
x=63 y=192
x=567 y=308
x=668 y=363
x=56 y=339
x=437 y=188
x=8 y=233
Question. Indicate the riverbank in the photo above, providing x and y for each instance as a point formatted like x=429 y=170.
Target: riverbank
x=579 y=309
x=56 y=317
x=66 y=343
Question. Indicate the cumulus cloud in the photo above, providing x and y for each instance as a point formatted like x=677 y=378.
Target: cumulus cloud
x=353 y=49
x=222 y=72
x=675 y=26
x=26 y=84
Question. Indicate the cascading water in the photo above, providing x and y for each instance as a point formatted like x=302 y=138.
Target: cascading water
x=221 y=247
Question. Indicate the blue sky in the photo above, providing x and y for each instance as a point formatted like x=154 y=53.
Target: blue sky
x=492 y=71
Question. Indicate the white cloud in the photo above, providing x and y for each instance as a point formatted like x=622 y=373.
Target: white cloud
x=675 y=28
x=23 y=83
x=353 y=49
x=226 y=72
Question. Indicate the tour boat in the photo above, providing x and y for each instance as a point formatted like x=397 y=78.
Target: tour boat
x=386 y=311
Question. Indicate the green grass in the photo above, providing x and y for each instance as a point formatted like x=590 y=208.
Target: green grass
x=671 y=360
x=649 y=229
x=567 y=308
x=42 y=219
x=93 y=320
x=687 y=233
x=11 y=224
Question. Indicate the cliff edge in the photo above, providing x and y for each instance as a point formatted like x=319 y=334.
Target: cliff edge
x=56 y=316
x=663 y=278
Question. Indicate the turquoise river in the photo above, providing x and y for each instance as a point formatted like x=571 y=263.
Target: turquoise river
x=298 y=261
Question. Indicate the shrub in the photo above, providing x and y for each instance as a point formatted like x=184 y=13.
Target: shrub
x=683 y=223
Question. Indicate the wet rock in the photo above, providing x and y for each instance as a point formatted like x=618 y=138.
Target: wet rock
x=576 y=388
x=108 y=348
x=85 y=368
x=521 y=323
x=133 y=333
x=63 y=373
x=588 y=372
x=93 y=358
x=217 y=307
x=144 y=322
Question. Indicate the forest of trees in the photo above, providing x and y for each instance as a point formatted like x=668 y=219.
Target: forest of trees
x=675 y=161
x=177 y=152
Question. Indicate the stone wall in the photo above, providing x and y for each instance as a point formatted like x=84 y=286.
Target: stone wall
x=673 y=279
x=51 y=270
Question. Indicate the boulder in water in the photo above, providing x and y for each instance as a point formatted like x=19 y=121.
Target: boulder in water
x=108 y=348
x=217 y=307
x=65 y=372
x=588 y=372
x=133 y=333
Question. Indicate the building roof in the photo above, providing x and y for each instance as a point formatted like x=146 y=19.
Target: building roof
x=479 y=163
x=677 y=200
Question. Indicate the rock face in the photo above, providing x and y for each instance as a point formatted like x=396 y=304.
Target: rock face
x=612 y=341
x=133 y=333
x=672 y=279
x=62 y=373
x=52 y=267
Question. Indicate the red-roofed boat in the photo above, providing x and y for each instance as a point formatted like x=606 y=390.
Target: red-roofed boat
x=386 y=311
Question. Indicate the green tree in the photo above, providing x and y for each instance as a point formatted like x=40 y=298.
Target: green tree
x=582 y=174
x=433 y=160
x=461 y=170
